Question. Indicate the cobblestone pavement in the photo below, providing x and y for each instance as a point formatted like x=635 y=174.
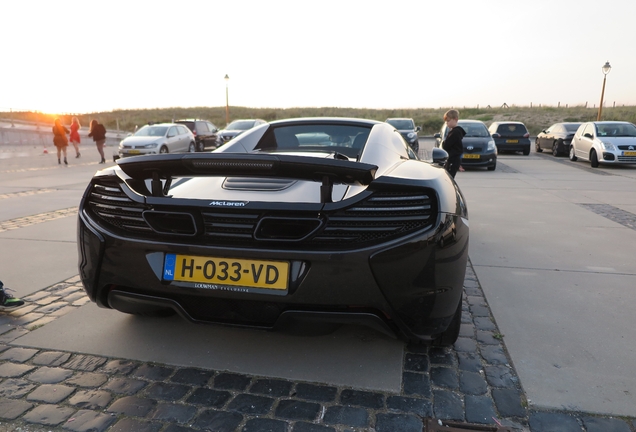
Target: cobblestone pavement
x=472 y=382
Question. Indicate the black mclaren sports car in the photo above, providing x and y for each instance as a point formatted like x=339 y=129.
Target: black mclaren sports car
x=319 y=220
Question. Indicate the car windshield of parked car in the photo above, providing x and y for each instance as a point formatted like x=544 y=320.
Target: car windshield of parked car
x=616 y=129
x=152 y=131
x=512 y=130
x=401 y=124
x=344 y=139
x=241 y=125
x=571 y=127
x=474 y=130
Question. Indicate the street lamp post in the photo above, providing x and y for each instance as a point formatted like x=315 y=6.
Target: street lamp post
x=606 y=69
x=227 y=105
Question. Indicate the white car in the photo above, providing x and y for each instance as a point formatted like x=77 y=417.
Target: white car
x=605 y=142
x=158 y=138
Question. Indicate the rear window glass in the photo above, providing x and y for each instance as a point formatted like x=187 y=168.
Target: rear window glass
x=345 y=139
x=190 y=125
x=512 y=129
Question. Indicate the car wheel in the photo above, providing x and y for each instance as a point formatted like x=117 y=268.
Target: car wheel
x=594 y=159
x=573 y=157
x=492 y=168
x=449 y=337
x=537 y=147
x=555 y=148
x=192 y=148
x=526 y=152
x=163 y=149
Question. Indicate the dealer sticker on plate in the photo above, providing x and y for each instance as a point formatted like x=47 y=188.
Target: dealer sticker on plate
x=214 y=271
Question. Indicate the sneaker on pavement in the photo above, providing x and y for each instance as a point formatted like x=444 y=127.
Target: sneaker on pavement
x=7 y=301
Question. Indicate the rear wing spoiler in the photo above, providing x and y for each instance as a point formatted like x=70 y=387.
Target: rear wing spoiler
x=168 y=166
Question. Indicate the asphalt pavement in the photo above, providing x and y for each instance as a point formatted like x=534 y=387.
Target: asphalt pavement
x=545 y=342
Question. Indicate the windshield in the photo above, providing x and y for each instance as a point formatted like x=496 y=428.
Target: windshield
x=474 y=130
x=241 y=125
x=401 y=124
x=616 y=129
x=345 y=139
x=152 y=131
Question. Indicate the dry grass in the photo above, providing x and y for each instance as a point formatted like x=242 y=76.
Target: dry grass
x=430 y=119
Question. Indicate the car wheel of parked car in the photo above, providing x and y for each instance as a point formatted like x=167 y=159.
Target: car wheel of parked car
x=192 y=148
x=573 y=157
x=593 y=159
x=537 y=147
x=526 y=152
x=492 y=168
x=163 y=149
x=449 y=337
x=555 y=148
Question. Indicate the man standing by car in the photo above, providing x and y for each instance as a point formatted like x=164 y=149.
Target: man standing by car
x=453 y=142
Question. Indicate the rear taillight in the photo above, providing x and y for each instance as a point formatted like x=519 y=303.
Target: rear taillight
x=194 y=133
x=526 y=135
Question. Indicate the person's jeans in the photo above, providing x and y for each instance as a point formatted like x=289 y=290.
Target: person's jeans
x=452 y=164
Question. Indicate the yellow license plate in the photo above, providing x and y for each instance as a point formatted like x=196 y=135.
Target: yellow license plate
x=227 y=271
x=629 y=153
x=512 y=141
x=470 y=156
x=133 y=151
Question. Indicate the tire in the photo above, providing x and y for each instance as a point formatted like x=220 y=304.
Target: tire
x=594 y=159
x=537 y=147
x=492 y=168
x=526 y=152
x=555 y=148
x=448 y=337
x=192 y=147
x=573 y=157
x=163 y=149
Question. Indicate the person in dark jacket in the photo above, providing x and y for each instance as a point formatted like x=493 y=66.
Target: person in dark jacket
x=453 y=142
x=98 y=132
x=60 y=140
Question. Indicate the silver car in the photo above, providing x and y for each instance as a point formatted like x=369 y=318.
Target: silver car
x=605 y=142
x=158 y=138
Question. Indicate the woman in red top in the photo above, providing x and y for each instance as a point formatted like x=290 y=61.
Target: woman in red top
x=60 y=140
x=74 y=138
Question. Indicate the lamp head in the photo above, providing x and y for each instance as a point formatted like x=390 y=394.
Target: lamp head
x=606 y=68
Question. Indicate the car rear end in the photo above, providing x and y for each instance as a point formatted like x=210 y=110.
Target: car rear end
x=512 y=137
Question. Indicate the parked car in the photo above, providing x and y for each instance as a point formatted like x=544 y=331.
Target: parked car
x=158 y=138
x=205 y=133
x=605 y=142
x=406 y=127
x=510 y=136
x=281 y=226
x=236 y=128
x=479 y=147
x=556 y=138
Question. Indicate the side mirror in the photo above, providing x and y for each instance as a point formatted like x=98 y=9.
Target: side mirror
x=588 y=135
x=437 y=135
x=496 y=135
x=417 y=129
x=170 y=136
x=129 y=134
x=439 y=156
x=543 y=131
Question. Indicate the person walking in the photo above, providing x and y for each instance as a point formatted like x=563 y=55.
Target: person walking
x=7 y=301
x=453 y=142
x=74 y=138
x=60 y=140
x=98 y=132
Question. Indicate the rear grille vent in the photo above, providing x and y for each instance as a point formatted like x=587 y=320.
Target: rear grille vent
x=381 y=217
x=111 y=205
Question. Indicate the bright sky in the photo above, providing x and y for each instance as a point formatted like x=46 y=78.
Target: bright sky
x=88 y=56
